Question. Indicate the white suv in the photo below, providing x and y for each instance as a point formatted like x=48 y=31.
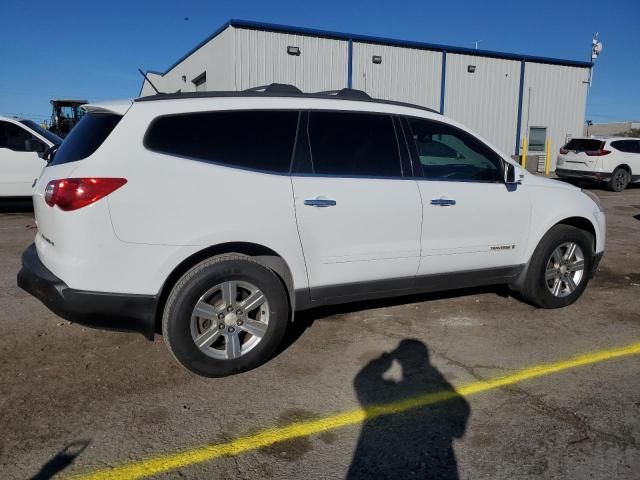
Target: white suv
x=23 y=144
x=213 y=217
x=614 y=161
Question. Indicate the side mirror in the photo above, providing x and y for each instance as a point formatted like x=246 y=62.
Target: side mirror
x=510 y=174
x=33 y=145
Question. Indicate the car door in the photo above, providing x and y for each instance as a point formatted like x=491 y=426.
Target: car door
x=357 y=208
x=472 y=220
x=630 y=155
x=19 y=160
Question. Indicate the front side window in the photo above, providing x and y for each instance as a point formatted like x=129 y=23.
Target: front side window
x=353 y=144
x=448 y=153
x=254 y=139
x=14 y=137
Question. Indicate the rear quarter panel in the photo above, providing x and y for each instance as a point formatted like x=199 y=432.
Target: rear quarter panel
x=190 y=205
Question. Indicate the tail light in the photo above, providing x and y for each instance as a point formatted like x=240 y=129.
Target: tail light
x=74 y=193
x=564 y=151
x=598 y=153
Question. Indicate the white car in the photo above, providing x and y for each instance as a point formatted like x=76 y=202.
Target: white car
x=214 y=216
x=22 y=147
x=614 y=161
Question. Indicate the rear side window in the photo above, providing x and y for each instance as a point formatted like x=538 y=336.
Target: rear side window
x=259 y=140
x=86 y=137
x=628 y=146
x=353 y=144
x=584 y=145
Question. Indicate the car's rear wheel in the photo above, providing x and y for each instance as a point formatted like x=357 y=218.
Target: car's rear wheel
x=226 y=315
x=559 y=268
x=619 y=180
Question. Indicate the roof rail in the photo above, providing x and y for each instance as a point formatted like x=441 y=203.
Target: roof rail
x=275 y=88
x=346 y=93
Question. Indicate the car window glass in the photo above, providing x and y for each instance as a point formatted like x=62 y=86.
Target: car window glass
x=14 y=137
x=353 y=144
x=86 y=137
x=448 y=153
x=261 y=140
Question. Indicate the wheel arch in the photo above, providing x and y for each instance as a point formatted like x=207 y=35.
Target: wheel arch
x=266 y=256
x=624 y=166
x=578 y=222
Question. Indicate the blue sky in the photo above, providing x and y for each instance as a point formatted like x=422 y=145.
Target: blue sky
x=92 y=49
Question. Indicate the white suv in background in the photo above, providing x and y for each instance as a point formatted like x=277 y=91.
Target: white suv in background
x=214 y=216
x=22 y=147
x=614 y=161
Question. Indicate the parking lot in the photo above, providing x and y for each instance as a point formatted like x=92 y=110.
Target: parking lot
x=77 y=401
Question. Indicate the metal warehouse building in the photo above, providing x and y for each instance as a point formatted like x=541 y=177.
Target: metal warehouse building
x=502 y=96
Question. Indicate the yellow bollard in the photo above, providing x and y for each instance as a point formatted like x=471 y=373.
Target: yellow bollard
x=524 y=153
x=547 y=162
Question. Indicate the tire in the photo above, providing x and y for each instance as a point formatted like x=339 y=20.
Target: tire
x=210 y=284
x=538 y=288
x=619 y=180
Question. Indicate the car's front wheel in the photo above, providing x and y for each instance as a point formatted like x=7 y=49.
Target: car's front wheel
x=560 y=267
x=225 y=315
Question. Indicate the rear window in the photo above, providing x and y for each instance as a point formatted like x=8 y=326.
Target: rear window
x=86 y=137
x=257 y=140
x=584 y=145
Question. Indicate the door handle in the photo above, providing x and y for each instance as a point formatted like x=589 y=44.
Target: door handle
x=320 y=202
x=443 y=202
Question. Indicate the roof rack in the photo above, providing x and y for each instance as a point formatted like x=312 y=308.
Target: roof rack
x=275 y=88
x=283 y=90
x=346 y=93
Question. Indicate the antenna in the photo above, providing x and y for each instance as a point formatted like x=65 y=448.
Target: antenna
x=147 y=79
x=596 y=49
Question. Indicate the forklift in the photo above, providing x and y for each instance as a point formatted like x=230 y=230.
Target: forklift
x=64 y=115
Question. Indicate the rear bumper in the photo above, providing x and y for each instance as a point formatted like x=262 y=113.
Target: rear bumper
x=583 y=175
x=111 y=311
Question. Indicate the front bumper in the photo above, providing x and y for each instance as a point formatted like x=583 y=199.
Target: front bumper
x=111 y=311
x=583 y=175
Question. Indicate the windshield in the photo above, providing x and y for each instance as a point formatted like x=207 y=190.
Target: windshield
x=52 y=137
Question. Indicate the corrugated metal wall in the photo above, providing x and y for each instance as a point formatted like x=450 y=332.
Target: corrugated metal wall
x=216 y=58
x=405 y=74
x=261 y=58
x=486 y=100
x=554 y=97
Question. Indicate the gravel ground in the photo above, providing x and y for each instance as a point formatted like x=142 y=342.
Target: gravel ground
x=109 y=398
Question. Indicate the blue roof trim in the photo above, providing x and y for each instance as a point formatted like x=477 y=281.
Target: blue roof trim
x=402 y=43
x=274 y=27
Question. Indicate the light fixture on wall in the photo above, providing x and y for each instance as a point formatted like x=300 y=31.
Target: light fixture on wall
x=184 y=78
x=377 y=59
x=471 y=68
x=293 y=50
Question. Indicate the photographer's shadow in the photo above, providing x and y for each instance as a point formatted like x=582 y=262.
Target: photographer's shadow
x=416 y=443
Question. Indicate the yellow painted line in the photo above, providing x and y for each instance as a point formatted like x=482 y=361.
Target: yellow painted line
x=264 y=438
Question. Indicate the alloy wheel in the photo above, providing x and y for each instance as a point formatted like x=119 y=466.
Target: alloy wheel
x=564 y=269
x=229 y=320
